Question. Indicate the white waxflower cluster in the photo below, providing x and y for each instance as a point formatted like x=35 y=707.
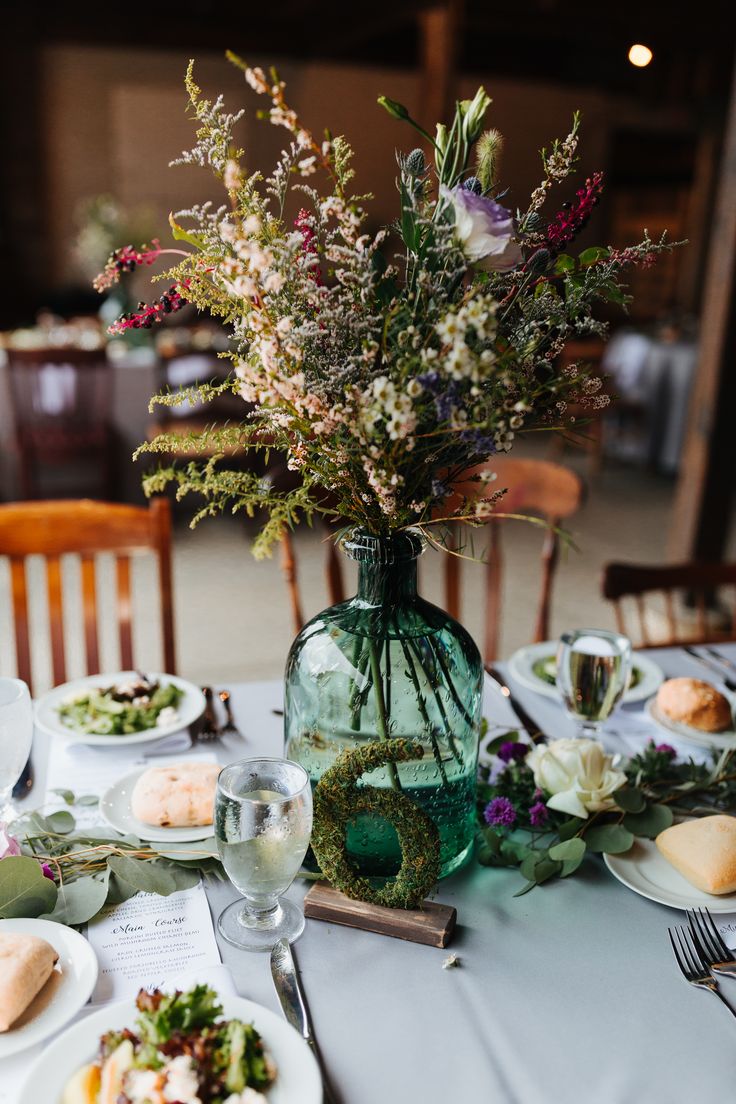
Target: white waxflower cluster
x=384 y=403
x=462 y=333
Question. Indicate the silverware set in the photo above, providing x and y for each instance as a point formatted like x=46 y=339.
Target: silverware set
x=701 y=953
x=714 y=663
x=211 y=729
x=533 y=730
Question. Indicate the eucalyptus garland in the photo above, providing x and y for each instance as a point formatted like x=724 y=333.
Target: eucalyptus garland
x=338 y=800
x=52 y=868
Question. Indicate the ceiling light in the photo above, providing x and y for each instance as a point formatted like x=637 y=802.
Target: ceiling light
x=640 y=55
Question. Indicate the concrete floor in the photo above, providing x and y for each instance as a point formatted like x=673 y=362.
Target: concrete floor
x=233 y=619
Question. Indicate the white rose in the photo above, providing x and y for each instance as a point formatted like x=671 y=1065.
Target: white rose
x=577 y=773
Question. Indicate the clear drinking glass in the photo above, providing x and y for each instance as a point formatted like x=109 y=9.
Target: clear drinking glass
x=593 y=668
x=16 y=734
x=263 y=821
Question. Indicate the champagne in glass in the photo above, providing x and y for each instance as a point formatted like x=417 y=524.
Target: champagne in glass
x=16 y=734
x=593 y=670
x=263 y=821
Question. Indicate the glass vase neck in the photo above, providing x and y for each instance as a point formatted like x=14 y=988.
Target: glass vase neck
x=387 y=566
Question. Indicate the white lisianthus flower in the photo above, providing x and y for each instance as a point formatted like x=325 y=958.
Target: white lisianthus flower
x=578 y=774
x=484 y=228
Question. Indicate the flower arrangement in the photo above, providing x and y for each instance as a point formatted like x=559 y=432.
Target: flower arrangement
x=386 y=365
x=544 y=807
x=51 y=867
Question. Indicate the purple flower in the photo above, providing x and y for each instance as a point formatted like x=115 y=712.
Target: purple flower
x=499 y=811
x=47 y=872
x=666 y=749
x=512 y=752
x=484 y=228
x=538 y=814
x=8 y=844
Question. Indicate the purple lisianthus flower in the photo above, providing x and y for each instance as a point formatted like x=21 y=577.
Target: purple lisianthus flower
x=666 y=749
x=500 y=812
x=512 y=751
x=47 y=872
x=8 y=844
x=485 y=229
x=538 y=814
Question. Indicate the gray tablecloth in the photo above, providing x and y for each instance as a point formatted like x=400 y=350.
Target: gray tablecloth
x=567 y=995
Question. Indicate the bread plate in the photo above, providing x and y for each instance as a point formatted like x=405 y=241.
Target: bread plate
x=116 y=809
x=719 y=740
x=67 y=990
x=189 y=709
x=298 y=1080
x=645 y=871
x=523 y=662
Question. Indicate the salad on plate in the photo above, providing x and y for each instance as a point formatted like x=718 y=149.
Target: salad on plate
x=545 y=669
x=179 y=1051
x=123 y=708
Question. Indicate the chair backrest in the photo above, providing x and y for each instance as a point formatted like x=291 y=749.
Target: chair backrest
x=699 y=581
x=333 y=577
x=68 y=387
x=536 y=487
x=54 y=529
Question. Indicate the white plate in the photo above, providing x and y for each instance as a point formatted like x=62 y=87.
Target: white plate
x=190 y=709
x=66 y=991
x=718 y=740
x=521 y=666
x=115 y=808
x=298 y=1080
x=648 y=873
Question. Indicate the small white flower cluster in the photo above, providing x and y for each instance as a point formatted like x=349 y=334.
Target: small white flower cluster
x=464 y=333
x=384 y=404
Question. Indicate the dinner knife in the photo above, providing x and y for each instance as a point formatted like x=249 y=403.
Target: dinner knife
x=533 y=730
x=291 y=998
x=24 y=785
x=719 y=656
x=710 y=666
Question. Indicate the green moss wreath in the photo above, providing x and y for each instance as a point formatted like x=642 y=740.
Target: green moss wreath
x=338 y=800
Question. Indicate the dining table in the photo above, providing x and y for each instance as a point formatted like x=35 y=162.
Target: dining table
x=568 y=994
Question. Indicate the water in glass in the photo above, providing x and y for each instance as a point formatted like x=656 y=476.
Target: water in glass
x=263 y=821
x=593 y=668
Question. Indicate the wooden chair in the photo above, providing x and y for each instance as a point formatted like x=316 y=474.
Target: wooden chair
x=53 y=529
x=536 y=487
x=699 y=581
x=333 y=576
x=61 y=401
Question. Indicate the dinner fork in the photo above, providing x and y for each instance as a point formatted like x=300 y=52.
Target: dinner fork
x=691 y=967
x=230 y=725
x=210 y=730
x=710 y=946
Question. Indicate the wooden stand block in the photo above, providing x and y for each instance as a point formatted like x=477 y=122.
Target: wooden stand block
x=432 y=924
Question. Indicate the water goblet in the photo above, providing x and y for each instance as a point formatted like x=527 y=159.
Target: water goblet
x=593 y=668
x=263 y=821
x=16 y=734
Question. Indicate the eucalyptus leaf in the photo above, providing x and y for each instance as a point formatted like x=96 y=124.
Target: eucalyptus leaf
x=614 y=839
x=591 y=255
x=525 y=889
x=653 y=820
x=88 y=799
x=149 y=877
x=516 y=850
x=119 y=891
x=570 y=828
x=65 y=795
x=630 y=799
x=184 y=878
x=529 y=864
x=570 y=853
x=545 y=869
x=61 y=822
x=24 y=889
x=77 y=902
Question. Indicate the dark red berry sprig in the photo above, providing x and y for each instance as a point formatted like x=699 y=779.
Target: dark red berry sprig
x=148 y=315
x=568 y=222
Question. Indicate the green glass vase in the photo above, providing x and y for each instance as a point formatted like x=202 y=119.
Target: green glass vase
x=382 y=665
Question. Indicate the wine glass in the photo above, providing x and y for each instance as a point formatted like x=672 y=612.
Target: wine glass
x=16 y=734
x=263 y=820
x=593 y=668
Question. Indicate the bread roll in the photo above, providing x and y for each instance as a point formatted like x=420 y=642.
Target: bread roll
x=695 y=703
x=26 y=963
x=704 y=851
x=179 y=796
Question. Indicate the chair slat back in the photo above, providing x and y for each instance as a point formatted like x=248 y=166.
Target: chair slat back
x=536 y=487
x=56 y=529
x=699 y=581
